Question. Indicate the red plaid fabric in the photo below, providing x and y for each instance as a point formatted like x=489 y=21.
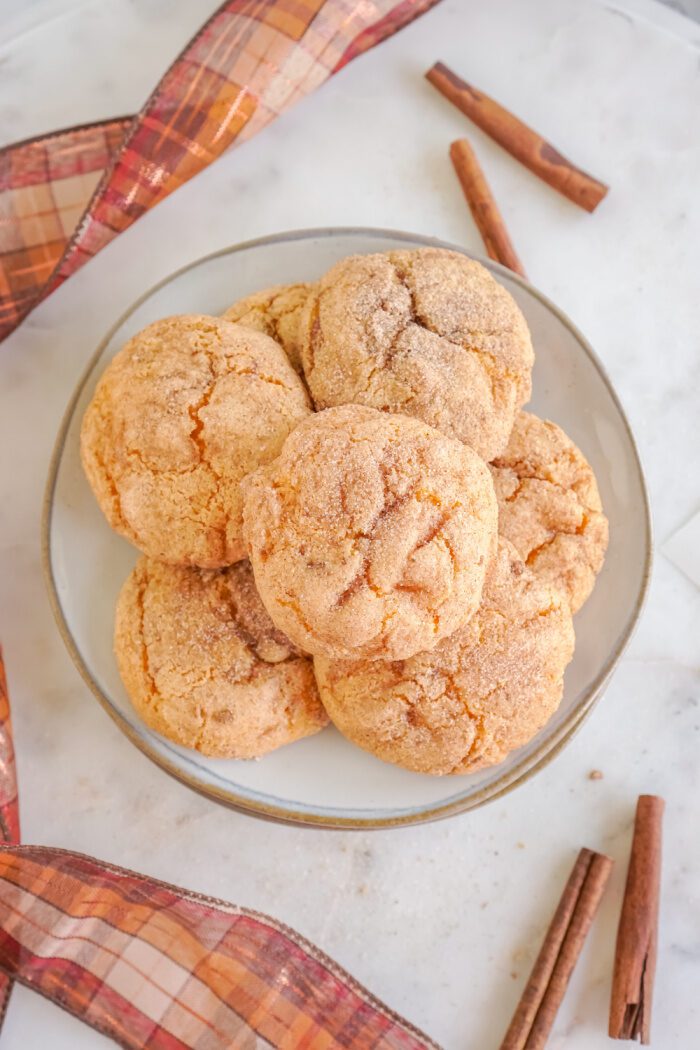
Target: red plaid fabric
x=160 y=968
x=63 y=197
x=9 y=807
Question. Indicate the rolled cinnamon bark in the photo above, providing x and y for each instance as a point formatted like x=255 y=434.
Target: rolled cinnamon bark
x=483 y=206
x=538 y=155
x=544 y=991
x=637 y=934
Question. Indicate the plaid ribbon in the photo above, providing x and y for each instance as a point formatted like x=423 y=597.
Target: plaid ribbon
x=65 y=196
x=9 y=806
x=160 y=968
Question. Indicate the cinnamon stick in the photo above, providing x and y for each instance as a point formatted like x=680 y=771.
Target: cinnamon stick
x=544 y=991
x=538 y=155
x=635 y=951
x=483 y=206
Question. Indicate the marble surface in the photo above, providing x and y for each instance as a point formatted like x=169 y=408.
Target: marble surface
x=442 y=921
x=691 y=8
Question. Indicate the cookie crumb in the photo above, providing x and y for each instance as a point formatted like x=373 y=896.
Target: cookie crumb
x=595 y=774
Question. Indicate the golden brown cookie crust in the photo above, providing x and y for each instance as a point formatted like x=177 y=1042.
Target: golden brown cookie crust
x=276 y=312
x=204 y=665
x=549 y=507
x=429 y=333
x=483 y=692
x=183 y=412
x=370 y=534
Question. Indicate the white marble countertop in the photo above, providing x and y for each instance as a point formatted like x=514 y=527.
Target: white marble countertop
x=686 y=7
x=442 y=921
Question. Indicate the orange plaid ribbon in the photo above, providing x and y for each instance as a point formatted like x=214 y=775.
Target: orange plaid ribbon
x=9 y=806
x=65 y=196
x=160 y=968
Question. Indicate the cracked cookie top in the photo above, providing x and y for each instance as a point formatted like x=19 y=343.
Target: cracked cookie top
x=182 y=413
x=483 y=692
x=549 y=507
x=370 y=534
x=276 y=312
x=204 y=665
x=429 y=333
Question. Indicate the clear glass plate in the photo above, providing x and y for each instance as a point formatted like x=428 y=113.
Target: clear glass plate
x=325 y=780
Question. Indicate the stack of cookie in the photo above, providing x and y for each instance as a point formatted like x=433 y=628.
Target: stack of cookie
x=345 y=512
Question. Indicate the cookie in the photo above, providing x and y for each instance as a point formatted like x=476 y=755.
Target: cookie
x=182 y=413
x=204 y=665
x=429 y=333
x=276 y=312
x=483 y=692
x=549 y=507
x=370 y=534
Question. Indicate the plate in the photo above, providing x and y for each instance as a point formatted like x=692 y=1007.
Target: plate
x=324 y=780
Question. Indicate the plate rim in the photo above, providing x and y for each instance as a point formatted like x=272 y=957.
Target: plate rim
x=522 y=771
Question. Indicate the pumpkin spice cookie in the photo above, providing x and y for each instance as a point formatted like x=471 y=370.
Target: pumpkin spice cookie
x=429 y=333
x=204 y=665
x=549 y=507
x=276 y=312
x=182 y=413
x=483 y=692
x=370 y=534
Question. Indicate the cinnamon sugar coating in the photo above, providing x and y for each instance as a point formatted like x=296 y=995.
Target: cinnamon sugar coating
x=204 y=665
x=370 y=534
x=275 y=312
x=549 y=507
x=182 y=413
x=429 y=333
x=483 y=692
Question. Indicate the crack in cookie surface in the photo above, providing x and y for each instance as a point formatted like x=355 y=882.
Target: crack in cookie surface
x=550 y=508
x=277 y=313
x=185 y=410
x=205 y=666
x=486 y=690
x=370 y=534
x=426 y=332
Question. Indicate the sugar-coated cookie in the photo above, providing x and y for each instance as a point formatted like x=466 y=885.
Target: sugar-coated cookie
x=549 y=507
x=427 y=332
x=483 y=692
x=182 y=413
x=276 y=312
x=370 y=535
x=204 y=665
